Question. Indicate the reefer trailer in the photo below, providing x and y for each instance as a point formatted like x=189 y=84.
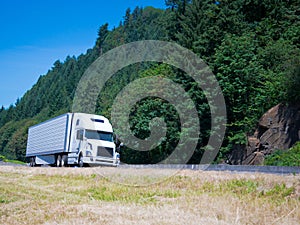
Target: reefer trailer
x=72 y=139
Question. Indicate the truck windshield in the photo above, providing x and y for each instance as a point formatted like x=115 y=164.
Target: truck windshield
x=99 y=135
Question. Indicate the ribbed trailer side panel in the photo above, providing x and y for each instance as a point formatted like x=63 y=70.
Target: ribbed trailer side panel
x=49 y=137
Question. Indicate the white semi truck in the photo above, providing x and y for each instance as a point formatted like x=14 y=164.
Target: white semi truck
x=72 y=139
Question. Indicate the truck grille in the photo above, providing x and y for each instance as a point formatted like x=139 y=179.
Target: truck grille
x=105 y=151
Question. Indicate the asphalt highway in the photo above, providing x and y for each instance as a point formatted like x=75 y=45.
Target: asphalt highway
x=218 y=167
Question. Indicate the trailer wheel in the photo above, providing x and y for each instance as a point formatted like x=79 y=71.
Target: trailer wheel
x=58 y=161
x=80 y=161
x=32 y=162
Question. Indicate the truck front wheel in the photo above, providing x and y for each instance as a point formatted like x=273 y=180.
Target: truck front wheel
x=80 y=161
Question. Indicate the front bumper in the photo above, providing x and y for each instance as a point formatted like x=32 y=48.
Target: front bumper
x=92 y=160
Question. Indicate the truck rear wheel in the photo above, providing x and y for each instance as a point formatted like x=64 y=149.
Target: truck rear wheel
x=64 y=160
x=58 y=161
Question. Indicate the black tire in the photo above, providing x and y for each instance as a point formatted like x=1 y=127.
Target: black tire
x=80 y=161
x=58 y=161
x=64 y=160
x=32 y=162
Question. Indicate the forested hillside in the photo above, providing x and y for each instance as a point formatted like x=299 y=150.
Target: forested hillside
x=252 y=46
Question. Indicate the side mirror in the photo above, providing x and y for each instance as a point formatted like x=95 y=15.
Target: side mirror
x=118 y=147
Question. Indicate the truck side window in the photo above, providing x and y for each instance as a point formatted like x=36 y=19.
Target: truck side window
x=79 y=135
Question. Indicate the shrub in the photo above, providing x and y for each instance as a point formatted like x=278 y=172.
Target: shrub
x=290 y=157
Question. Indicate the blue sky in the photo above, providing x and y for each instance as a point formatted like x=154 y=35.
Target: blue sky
x=35 y=33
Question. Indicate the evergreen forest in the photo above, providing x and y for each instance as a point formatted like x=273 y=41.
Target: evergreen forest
x=252 y=47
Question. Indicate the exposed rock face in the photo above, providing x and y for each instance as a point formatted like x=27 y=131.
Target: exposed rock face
x=279 y=128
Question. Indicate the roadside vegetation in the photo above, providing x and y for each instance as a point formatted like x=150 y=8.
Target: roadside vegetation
x=70 y=195
x=285 y=158
x=4 y=159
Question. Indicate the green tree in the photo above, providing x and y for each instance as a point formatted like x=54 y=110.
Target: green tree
x=242 y=80
x=102 y=34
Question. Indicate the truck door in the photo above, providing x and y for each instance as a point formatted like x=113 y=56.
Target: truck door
x=79 y=142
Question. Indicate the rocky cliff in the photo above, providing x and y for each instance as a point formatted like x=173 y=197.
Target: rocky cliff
x=278 y=128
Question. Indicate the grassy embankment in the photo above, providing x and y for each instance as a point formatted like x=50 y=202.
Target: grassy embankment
x=85 y=196
x=4 y=159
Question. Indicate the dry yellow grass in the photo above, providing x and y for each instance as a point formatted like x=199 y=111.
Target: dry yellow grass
x=145 y=196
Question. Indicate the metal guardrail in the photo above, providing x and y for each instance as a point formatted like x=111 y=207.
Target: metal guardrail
x=221 y=167
x=212 y=167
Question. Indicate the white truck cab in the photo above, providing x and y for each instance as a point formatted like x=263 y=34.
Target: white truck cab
x=93 y=139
